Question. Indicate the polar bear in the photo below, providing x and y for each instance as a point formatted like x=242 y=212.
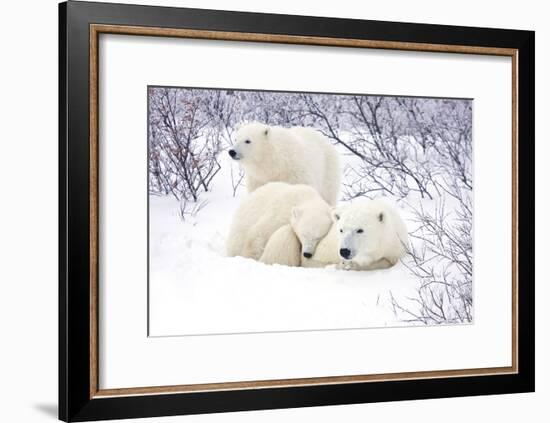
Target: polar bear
x=266 y=210
x=283 y=248
x=371 y=235
x=295 y=155
x=326 y=252
x=309 y=223
x=366 y=235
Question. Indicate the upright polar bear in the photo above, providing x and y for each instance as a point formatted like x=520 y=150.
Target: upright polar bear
x=262 y=213
x=295 y=155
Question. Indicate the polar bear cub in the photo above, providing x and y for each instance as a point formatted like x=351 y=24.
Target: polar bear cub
x=295 y=155
x=371 y=235
x=309 y=224
x=269 y=208
x=283 y=248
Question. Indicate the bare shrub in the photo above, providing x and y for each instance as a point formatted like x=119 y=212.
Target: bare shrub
x=440 y=256
x=183 y=148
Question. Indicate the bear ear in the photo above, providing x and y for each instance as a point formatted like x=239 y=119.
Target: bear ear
x=335 y=214
x=381 y=217
x=296 y=213
x=240 y=125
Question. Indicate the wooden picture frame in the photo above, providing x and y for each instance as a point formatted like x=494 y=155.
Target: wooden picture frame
x=80 y=24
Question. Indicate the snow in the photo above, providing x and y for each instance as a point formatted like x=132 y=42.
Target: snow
x=195 y=289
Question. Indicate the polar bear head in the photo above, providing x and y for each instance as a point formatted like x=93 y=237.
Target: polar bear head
x=361 y=230
x=251 y=143
x=311 y=221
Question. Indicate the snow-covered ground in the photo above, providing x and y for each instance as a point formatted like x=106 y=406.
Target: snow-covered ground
x=195 y=289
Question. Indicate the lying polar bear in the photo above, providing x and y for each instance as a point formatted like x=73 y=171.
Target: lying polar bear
x=283 y=248
x=365 y=235
x=262 y=213
x=295 y=155
x=298 y=240
x=371 y=235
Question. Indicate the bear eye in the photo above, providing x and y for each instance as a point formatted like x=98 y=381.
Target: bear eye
x=359 y=231
x=341 y=231
x=247 y=142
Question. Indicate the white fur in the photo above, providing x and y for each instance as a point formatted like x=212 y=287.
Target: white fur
x=283 y=248
x=380 y=244
x=266 y=210
x=309 y=223
x=326 y=252
x=295 y=155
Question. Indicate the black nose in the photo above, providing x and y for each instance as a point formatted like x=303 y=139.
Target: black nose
x=307 y=255
x=232 y=153
x=344 y=252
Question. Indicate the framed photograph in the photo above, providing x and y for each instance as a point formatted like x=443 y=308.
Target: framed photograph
x=269 y=211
